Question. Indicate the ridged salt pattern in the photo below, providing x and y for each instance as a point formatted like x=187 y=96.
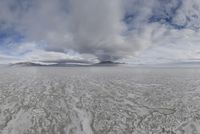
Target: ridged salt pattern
x=99 y=100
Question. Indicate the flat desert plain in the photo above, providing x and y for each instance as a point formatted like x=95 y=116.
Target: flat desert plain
x=99 y=100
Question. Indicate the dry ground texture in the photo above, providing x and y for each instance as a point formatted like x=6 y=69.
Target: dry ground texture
x=99 y=100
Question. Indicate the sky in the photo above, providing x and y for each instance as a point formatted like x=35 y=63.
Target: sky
x=131 y=31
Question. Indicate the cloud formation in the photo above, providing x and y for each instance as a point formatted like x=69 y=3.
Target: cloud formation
x=106 y=29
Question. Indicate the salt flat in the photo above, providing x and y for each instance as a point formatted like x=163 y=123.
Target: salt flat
x=99 y=100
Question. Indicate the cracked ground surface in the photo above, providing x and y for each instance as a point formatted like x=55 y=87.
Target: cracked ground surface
x=99 y=100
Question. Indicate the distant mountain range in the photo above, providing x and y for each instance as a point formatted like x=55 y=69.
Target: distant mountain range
x=48 y=64
x=108 y=63
x=25 y=64
x=64 y=63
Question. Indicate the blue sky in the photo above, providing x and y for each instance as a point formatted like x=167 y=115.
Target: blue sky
x=134 y=31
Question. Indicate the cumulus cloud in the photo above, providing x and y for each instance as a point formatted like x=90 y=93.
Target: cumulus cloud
x=105 y=29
